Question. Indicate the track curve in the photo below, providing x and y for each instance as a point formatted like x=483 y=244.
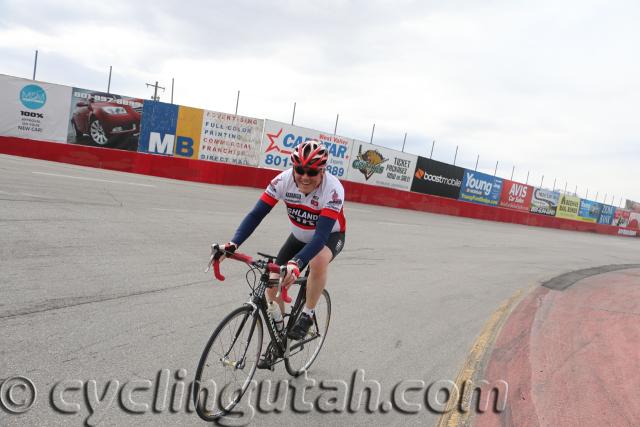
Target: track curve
x=102 y=279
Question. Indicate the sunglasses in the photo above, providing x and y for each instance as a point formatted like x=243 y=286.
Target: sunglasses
x=304 y=171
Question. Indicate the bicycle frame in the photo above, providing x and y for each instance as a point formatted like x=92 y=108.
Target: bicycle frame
x=258 y=301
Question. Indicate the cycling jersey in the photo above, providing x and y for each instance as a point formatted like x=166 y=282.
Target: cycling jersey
x=305 y=209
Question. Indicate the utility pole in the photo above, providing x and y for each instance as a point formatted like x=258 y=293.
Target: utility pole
x=109 y=83
x=293 y=116
x=155 y=90
x=35 y=65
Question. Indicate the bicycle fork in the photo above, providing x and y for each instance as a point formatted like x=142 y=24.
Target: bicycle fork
x=239 y=364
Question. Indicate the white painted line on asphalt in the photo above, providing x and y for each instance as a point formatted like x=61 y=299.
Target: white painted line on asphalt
x=92 y=179
x=349 y=208
x=195 y=211
x=392 y=223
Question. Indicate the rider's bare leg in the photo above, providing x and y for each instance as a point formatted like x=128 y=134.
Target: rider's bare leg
x=317 y=276
x=315 y=283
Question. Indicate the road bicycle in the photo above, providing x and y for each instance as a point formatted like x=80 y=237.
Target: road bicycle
x=229 y=360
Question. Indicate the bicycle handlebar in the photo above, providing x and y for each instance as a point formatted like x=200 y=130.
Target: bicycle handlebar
x=272 y=267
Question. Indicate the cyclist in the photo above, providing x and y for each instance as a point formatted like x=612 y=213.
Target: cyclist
x=314 y=201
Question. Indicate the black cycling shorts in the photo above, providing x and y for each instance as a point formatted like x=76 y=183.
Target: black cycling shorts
x=292 y=246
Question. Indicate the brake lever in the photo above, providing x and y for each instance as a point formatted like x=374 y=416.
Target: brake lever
x=215 y=248
x=281 y=289
x=209 y=264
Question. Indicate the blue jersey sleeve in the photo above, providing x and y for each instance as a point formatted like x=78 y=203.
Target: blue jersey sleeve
x=251 y=222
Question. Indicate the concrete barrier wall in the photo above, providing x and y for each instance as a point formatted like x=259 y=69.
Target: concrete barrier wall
x=246 y=176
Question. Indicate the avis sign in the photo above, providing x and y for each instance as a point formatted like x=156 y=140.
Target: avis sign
x=516 y=195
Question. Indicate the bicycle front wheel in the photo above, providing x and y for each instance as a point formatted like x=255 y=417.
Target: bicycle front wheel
x=302 y=353
x=228 y=364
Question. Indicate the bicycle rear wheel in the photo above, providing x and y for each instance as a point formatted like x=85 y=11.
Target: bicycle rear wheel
x=227 y=364
x=302 y=353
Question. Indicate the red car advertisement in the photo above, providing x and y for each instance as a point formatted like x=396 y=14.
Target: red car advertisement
x=104 y=120
x=516 y=195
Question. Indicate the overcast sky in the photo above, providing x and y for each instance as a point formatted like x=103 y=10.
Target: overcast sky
x=552 y=87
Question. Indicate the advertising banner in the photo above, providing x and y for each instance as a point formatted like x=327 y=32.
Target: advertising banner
x=606 y=214
x=480 y=188
x=437 y=178
x=158 y=133
x=229 y=138
x=621 y=218
x=634 y=220
x=370 y=164
x=102 y=119
x=280 y=139
x=188 y=132
x=544 y=202
x=33 y=110
x=516 y=195
x=589 y=210
x=568 y=207
x=632 y=206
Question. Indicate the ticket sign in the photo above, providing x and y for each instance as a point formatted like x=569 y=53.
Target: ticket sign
x=374 y=165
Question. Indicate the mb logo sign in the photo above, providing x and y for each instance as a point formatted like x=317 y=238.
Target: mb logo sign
x=170 y=130
x=169 y=145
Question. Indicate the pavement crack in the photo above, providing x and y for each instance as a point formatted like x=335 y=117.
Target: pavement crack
x=63 y=303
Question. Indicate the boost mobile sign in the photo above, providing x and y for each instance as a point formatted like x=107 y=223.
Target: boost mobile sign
x=437 y=178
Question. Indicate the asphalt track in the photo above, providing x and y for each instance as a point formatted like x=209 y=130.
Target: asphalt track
x=101 y=278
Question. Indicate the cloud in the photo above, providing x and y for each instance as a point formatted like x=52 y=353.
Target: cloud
x=550 y=87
